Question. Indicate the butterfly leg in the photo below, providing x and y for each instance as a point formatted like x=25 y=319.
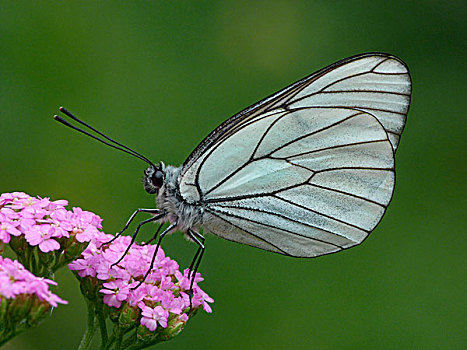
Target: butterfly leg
x=163 y=234
x=140 y=210
x=199 y=239
x=133 y=238
x=153 y=238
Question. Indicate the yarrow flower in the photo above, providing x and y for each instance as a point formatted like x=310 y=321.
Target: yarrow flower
x=25 y=299
x=161 y=300
x=41 y=220
x=153 y=316
x=145 y=308
x=46 y=228
x=15 y=280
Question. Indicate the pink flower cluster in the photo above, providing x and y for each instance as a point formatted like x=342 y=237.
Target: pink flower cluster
x=163 y=299
x=16 y=280
x=163 y=295
x=43 y=222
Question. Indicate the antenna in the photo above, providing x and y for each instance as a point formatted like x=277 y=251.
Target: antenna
x=112 y=143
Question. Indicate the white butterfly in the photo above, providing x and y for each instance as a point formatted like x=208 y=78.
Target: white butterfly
x=306 y=171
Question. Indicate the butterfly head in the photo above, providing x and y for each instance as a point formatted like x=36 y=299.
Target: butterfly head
x=154 y=178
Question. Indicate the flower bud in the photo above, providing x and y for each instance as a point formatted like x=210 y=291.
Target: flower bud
x=89 y=287
x=174 y=327
x=20 y=307
x=18 y=244
x=39 y=311
x=46 y=258
x=144 y=335
x=74 y=249
x=129 y=316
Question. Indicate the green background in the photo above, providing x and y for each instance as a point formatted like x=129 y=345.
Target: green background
x=159 y=76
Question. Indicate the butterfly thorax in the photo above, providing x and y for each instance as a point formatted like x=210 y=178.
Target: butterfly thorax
x=170 y=201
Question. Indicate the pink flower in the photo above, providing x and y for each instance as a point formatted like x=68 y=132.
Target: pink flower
x=61 y=220
x=6 y=229
x=16 y=280
x=201 y=298
x=161 y=294
x=57 y=204
x=170 y=302
x=9 y=214
x=116 y=292
x=43 y=221
x=185 y=280
x=137 y=295
x=84 y=267
x=12 y=197
x=165 y=288
x=43 y=235
x=153 y=316
x=153 y=293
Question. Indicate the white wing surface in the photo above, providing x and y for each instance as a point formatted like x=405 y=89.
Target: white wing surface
x=309 y=170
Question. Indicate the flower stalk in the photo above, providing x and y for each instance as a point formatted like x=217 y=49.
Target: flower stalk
x=91 y=327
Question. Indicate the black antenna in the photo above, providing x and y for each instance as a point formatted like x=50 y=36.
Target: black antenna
x=116 y=144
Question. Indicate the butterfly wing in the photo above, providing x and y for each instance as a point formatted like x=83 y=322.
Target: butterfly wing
x=309 y=170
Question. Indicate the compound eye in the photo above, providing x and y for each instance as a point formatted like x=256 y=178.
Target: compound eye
x=158 y=179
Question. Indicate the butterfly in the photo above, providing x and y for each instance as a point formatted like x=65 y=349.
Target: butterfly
x=304 y=172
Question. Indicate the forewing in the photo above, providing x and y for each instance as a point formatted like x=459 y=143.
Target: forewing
x=297 y=175
x=378 y=83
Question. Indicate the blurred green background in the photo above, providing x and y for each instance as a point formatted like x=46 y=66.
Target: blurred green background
x=159 y=76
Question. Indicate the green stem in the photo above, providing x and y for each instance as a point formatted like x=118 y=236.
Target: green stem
x=131 y=339
x=119 y=338
x=102 y=325
x=6 y=337
x=10 y=332
x=143 y=345
x=91 y=330
x=33 y=263
x=60 y=262
x=110 y=342
x=27 y=259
